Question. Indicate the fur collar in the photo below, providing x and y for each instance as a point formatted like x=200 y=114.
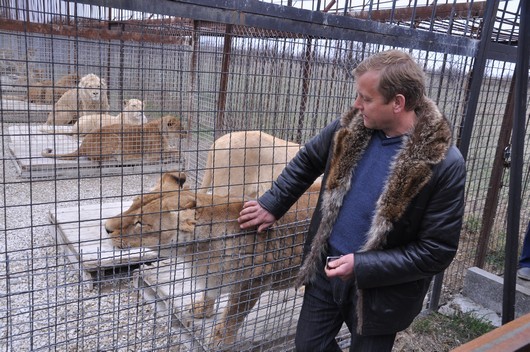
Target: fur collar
x=410 y=171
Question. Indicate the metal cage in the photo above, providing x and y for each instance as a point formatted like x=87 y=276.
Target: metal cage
x=270 y=74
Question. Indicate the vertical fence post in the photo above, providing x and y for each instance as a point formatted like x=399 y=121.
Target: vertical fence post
x=495 y=182
x=516 y=169
x=471 y=108
x=223 y=84
x=475 y=85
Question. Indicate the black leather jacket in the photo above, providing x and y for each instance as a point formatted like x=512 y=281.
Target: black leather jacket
x=393 y=273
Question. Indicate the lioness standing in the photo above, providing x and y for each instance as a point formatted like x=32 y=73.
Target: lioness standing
x=245 y=163
x=203 y=228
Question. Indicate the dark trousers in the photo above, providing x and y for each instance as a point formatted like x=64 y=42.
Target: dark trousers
x=327 y=305
x=524 y=260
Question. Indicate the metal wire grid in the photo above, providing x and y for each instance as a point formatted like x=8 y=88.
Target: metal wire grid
x=46 y=302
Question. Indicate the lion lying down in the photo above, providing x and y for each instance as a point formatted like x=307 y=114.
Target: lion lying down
x=220 y=257
x=132 y=114
x=127 y=142
x=48 y=92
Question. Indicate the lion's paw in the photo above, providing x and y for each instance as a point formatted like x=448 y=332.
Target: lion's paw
x=201 y=309
x=220 y=338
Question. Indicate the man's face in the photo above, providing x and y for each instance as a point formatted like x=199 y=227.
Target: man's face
x=377 y=114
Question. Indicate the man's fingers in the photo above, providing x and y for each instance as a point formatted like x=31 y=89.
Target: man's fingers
x=263 y=227
x=248 y=224
x=250 y=203
x=246 y=216
x=249 y=208
x=253 y=215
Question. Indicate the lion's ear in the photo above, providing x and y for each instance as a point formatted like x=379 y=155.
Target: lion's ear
x=124 y=103
x=174 y=177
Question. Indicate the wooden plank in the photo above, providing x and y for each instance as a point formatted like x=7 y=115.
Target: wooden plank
x=85 y=276
x=510 y=337
x=26 y=142
x=81 y=234
x=271 y=323
x=165 y=305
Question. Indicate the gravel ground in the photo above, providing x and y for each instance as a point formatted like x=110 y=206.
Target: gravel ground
x=43 y=303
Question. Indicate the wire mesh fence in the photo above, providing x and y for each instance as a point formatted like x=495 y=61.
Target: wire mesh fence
x=126 y=246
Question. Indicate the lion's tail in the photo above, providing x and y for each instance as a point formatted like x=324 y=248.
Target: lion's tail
x=48 y=153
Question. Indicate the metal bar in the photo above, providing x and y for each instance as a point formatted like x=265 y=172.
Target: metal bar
x=193 y=73
x=495 y=183
x=516 y=170
x=478 y=74
x=502 y=52
x=304 y=22
x=121 y=68
x=91 y=33
x=223 y=84
x=306 y=74
x=476 y=82
x=424 y=13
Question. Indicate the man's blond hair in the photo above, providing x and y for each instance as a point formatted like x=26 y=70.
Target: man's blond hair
x=399 y=74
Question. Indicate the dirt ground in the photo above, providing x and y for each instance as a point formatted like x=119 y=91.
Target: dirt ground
x=438 y=340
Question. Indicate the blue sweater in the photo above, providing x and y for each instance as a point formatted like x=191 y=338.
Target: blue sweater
x=355 y=216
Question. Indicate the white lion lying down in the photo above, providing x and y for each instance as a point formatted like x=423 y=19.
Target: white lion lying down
x=132 y=114
x=245 y=163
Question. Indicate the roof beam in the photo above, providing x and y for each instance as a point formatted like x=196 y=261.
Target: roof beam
x=424 y=13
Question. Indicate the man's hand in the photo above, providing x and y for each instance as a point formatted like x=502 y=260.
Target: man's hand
x=341 y=267
x=253 y=214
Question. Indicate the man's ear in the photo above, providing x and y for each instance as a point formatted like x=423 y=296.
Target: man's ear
x=399 y=103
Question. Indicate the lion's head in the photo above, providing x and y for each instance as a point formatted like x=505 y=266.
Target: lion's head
x=133 y=111
x=173 y=126
x=92 y=87
x=154 y=219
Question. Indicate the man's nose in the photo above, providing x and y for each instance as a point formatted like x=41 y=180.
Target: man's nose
x=357 y=104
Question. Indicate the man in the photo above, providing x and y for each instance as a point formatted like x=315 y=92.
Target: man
x=390 y=208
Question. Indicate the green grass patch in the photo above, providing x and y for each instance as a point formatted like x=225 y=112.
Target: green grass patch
x=460 y=327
